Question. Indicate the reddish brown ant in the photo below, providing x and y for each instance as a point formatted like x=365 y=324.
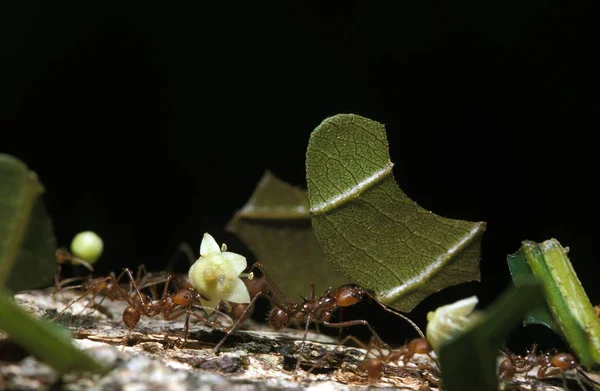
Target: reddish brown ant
x=374 y=366
x=171 y=306
x=549 y=365
x=109 y=287
x=315 y=310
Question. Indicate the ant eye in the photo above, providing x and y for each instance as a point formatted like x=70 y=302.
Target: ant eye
x=354 y=294
x=186 y=296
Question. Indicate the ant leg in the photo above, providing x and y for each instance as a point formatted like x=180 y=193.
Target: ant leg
x=588 y=380
x=303 y=344
x=358 y=322
x=135 y=287
x=141 y=273
x=57 y=283
x=341 y=319
x=276 y=291
x=238 y=321
x=311 y=295
x=331 y=352
x=81 y=297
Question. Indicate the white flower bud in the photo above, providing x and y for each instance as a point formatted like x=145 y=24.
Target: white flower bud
x=216 y=274
x=449 y=320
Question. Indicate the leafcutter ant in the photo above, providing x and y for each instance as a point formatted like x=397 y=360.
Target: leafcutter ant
x=549 y=365
x=185 y=301
x=318 y=310
x=374 y=366
x=172 y=306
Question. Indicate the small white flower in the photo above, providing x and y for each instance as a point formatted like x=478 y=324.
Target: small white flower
x=216 y=275
x=447 y=321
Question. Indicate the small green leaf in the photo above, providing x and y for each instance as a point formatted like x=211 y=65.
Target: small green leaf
x=566 y=298
x=27 y=243
x=370 y=230
x=275 y=225
x=45 y=340
x=520 y=271
x=468 y=361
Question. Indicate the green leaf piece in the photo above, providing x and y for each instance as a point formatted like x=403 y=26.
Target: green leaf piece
x=568 y=304
x=520 y=271
x=27 y=242
x=370 y=230
x=479 y=345
x=47 y=341
x=275 y=225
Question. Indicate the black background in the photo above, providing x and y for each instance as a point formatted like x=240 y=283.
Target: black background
x=151 y=124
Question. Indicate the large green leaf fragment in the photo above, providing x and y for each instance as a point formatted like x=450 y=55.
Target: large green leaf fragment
x=27 y=242
x=567 y=304
x=370 y=230
x=45 y=340
x=275 y=225
x=468 y=361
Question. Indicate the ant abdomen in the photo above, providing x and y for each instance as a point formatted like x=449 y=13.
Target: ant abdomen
x=374 y=369
x=347 y=295
x=131 y=317
x=563 y=361
x=239 y=310
x=278 y=318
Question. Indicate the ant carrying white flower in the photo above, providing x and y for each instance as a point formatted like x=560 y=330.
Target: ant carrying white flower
x=217 y=275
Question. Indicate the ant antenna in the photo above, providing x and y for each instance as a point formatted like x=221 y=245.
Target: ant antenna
x=397 y=313
x=270 y=282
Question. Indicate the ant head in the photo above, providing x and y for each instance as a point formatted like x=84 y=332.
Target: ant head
x=563 y=361
x=62 y=255
x=278 y=318
x=420 y=345
x=347 y=295
x=183 y=297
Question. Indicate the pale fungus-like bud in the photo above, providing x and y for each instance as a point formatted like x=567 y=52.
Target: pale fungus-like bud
x=447 y=321
x=217 y=275
x=87 y=246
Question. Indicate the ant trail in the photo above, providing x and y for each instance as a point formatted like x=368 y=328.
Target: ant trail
x=312 y=310
x=171 y=306
x=374 y=366
x=550 y=364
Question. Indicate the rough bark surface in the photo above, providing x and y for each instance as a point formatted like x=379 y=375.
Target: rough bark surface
x=253 y=358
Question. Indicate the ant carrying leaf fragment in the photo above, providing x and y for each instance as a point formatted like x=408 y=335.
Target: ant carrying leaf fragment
x=370 y=230
x=313 y=309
